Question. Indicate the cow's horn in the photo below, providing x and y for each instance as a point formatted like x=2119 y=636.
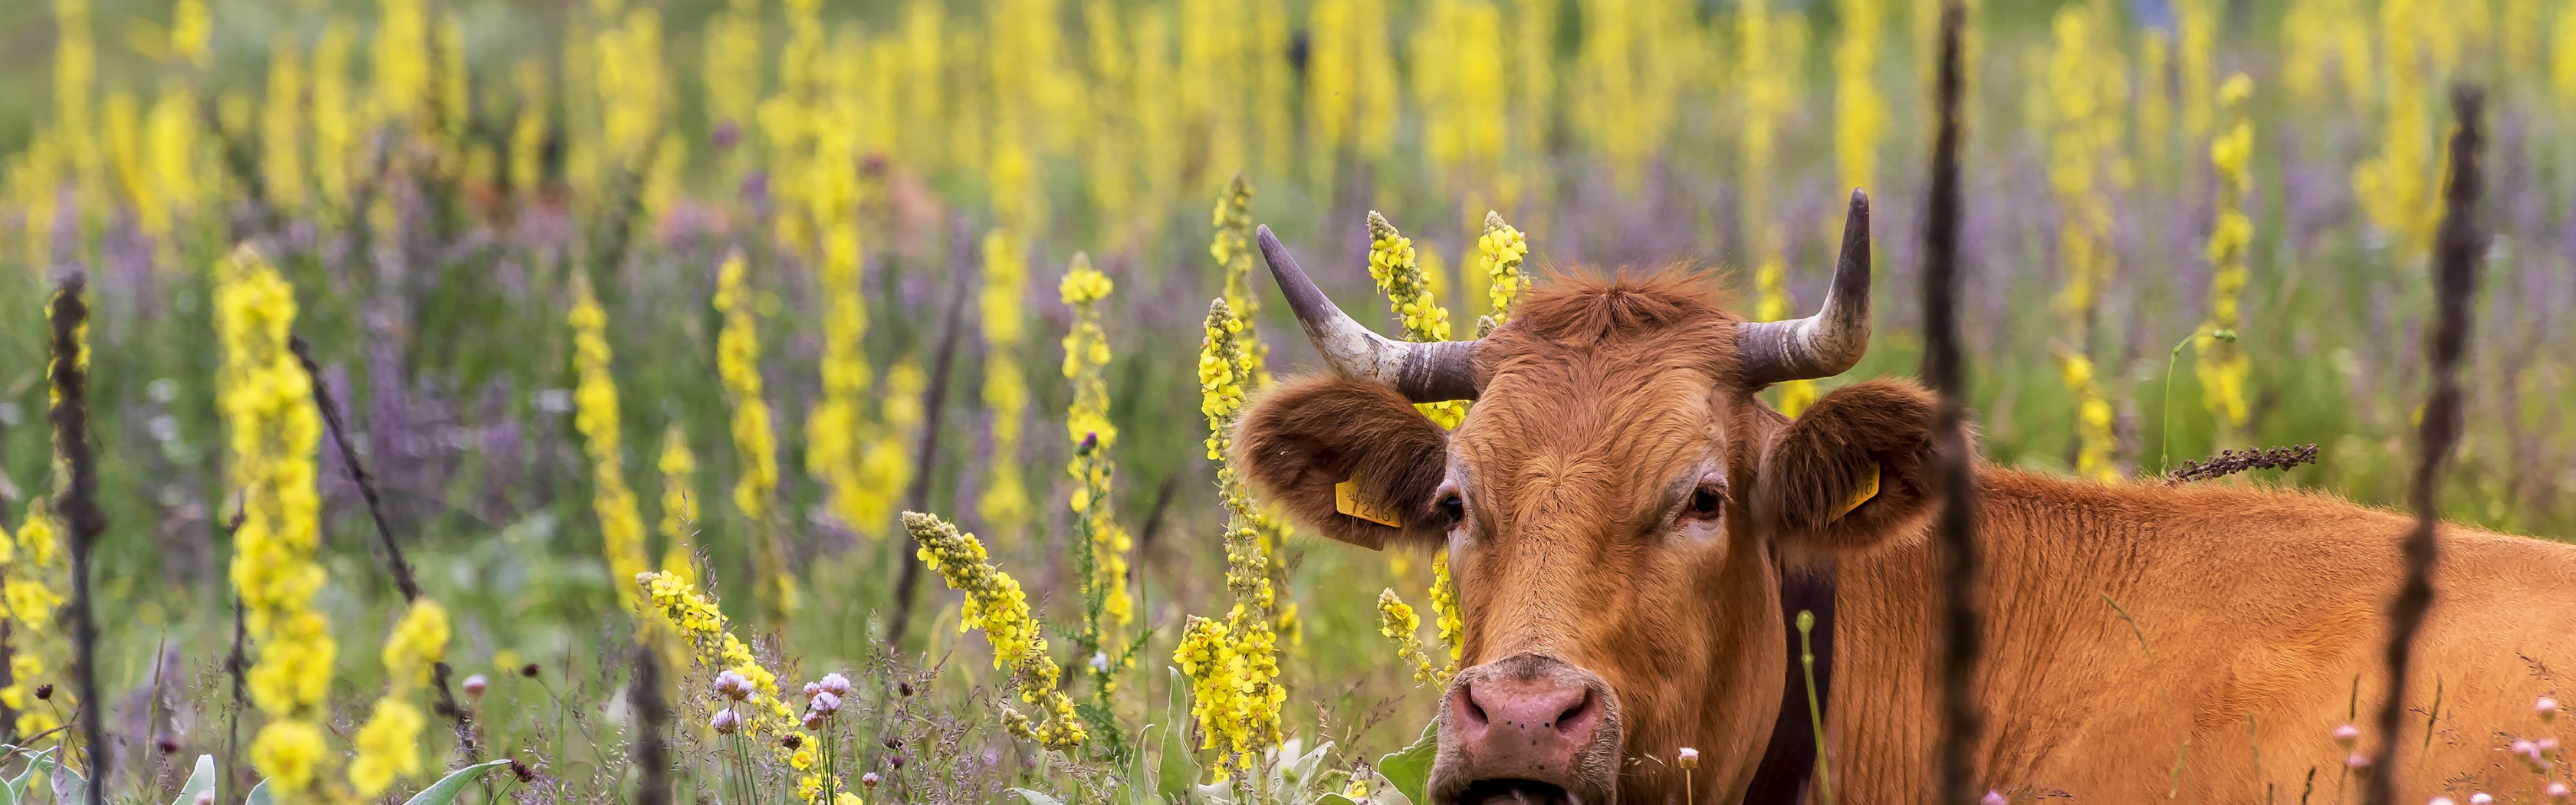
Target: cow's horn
x=1825 y=344
x=1425 y=372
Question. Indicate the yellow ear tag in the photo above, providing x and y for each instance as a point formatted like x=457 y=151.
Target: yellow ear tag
x=1346 y=499
x=1868 y=489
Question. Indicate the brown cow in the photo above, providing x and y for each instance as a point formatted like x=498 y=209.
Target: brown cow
x=1627 y=523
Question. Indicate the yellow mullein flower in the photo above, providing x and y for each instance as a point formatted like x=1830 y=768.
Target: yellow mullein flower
x=267 y=403
x=335 y=132
x=528 y=127
x=2396 y=187
x=1398 y=623
x=1500 y=251
x=834 y=431
x=995 y=604
x=1086 y=362
x=2085 y=86
x=679 y=504
x=621 y=525
x=1860 y=109
x=281 y=130
x=738 y=363
x=31 y=603
x=1005 y=500
x=389 y=744
x=1444 y=604
x=1243 y=688
x=1397 y=268
x=1232 y=248
x=402 y=69
x=718 y=653
x=2223 y=365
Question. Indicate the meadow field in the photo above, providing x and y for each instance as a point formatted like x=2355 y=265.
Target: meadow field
x=649 y=320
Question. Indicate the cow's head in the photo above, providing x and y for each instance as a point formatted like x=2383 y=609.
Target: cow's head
x=1619 y=509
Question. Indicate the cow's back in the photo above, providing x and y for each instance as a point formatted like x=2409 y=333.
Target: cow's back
x=2123 y=621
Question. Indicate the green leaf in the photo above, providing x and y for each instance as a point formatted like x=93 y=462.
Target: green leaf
x=1301 y=771
x=260 y=795
x=69 y=787
x=17 y=786
x=1334 y=799
x=445 y=790
x=1410 y=770
x=201 y=783
x=1180 y=766
x=1035 y=798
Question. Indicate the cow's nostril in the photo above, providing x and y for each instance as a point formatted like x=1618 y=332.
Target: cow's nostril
x=1575 y=717
x=1470 y=713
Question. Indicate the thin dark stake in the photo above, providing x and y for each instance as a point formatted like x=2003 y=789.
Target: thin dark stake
x=1946 y=369
x=236 y=663
x=79 y=505
x=2455 y=283
x=934 y=401
x=394 y=561
x=653 y=714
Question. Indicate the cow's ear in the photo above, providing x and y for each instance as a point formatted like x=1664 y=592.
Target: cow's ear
x=1350 y=459
x=1852 y=471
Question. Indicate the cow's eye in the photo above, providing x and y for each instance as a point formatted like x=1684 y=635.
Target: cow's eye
x=1452 y=508
x=1707 y=501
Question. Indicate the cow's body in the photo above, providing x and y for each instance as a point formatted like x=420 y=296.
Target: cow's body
x=2259 y=610
x=1622 y=512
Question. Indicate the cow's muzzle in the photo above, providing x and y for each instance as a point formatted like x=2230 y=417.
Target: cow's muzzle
x=1527 y=729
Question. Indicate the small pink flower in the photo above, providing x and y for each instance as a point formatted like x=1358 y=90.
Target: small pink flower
x=812 y=688
x=2547 y=707
x=726 y=722
x=836 y=684
x=870 y=779
x=1689 y=758
x=2481 y=798
x=813 y=720
x=1994 y=797
x=2546 y=745
x=733 y=685
x=2557 y=792
x=826 y=703
x=2347 y=735
x=476 y=684
x=2357 y=761
x=2442 y=801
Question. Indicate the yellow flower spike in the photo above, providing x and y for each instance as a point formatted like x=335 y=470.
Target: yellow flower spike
x=595 y=414
x=2086 y=88
x=738 y=364
x=995 y=604
x=1860 y=109
x=1397 y=268
x=30 y=601
x=679 y=503
x=1398 y=623
x=837 y=435
x=1087 y=426
x=273 y=430
x=1500 y=251
x=1005 y=499
x=2223 y=366
x=1241 y=695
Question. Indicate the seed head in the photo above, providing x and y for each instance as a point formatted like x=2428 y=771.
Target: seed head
x=45 y=692
x=792 y=741
x=529 y=670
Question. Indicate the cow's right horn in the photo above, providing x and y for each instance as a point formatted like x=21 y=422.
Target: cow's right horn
x=1423 y=372
x=1825 y=344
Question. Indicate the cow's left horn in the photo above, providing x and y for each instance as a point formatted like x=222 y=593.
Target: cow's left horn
x=1426 y=372
x=1825 y=344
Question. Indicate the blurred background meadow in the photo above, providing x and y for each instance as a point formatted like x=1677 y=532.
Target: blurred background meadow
x=717 y=289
